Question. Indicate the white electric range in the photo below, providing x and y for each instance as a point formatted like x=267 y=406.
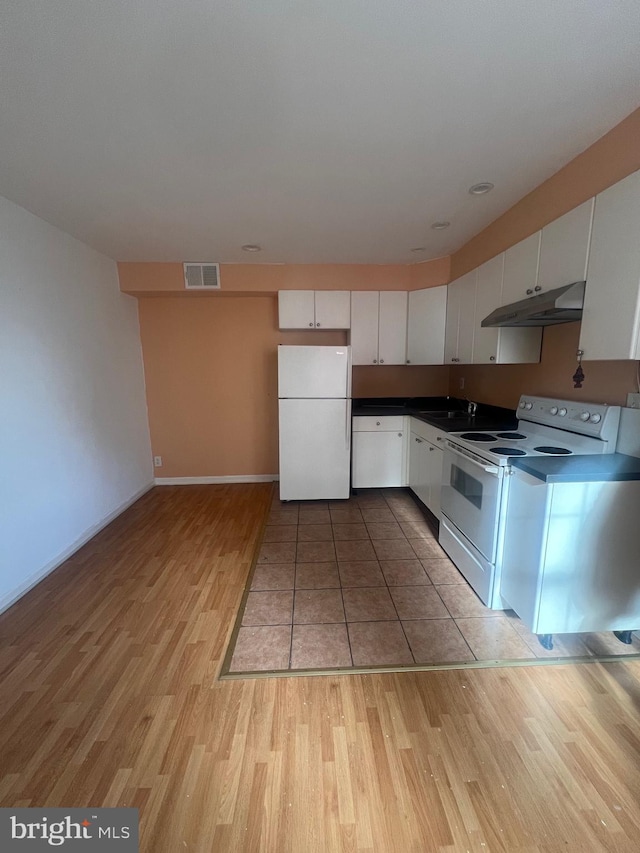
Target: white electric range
x=475 y=478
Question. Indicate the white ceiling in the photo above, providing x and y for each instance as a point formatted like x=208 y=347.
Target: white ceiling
x=324 y=130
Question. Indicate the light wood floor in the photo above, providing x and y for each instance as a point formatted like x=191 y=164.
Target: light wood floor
x=109 y=697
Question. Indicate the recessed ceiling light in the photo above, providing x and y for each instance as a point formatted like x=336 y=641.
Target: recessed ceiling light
x=441 y=225
x=481 y=189
x=420 y=249
x=251 y=247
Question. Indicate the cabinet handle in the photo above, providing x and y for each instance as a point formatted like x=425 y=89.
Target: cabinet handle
x=529 y=291
x=399 y=435
x=317 y=324
x=408 y=361
x=455 y=359
x=377 y=423
x=439 y=438
x=419 y=440
x=537 y=288
x=382 y=361
x=492 y=358
x=311 y=324
x=375 y=360
x=430 y=448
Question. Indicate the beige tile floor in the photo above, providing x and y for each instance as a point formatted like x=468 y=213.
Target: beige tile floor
x=364 y=583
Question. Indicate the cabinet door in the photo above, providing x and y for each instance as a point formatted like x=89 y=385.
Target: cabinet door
x=377 y=459
x=564 y=249
x=611 y=317
x=458 y=336
x=392 y=329
x=364 y=327
x=296 y=309
x=521 y=269
x=418 y=467
x=333 y=309
x=426 y=318
x=451 y=325
x=434 y=460
x=467 y=317
x=488 y=295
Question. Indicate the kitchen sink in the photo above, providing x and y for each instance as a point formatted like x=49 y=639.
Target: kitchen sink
x=450 y=414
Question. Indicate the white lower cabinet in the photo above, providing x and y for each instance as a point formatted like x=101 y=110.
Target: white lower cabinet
x=378 y=452
x=425 y=464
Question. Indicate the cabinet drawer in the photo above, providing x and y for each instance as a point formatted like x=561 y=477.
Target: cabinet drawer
x=429 y=433
x=371 y=423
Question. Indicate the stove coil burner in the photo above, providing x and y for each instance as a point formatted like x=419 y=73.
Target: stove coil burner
x=554 y=451
x=508 y=451
x=478 y=436
x=515 y=436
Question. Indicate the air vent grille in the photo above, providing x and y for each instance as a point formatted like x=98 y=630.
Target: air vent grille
x=202 y=276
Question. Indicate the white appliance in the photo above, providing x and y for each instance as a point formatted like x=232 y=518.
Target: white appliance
x=477 y=473
x=314 y=407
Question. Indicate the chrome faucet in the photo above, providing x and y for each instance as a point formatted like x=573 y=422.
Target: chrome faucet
x=472 y=408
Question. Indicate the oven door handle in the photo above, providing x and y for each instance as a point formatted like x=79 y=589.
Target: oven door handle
x=490 y=469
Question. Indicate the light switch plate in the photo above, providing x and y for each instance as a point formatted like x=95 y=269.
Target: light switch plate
x=633 y=401
x=157 y=461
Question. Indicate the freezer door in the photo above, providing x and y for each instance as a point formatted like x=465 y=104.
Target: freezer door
x=315 y=447
x=314 y=372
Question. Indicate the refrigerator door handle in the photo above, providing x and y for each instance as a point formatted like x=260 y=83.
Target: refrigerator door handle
x=346 y=427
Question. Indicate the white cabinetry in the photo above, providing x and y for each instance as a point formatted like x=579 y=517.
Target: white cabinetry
x=425 y=463
x=520 y=270
x=379 y=453
x=503 y=345
x=426 y=325
x=314 y=309
x=564 y=249
x=461 y=301
x=611 y=315
x=379 y=327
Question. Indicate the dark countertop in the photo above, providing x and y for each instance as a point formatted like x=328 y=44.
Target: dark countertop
x=486 y=418
x=580 y=469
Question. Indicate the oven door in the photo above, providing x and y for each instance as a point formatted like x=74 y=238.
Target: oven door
x=471 y=492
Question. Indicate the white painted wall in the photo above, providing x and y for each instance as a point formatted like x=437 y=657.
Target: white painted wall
x=74 y=437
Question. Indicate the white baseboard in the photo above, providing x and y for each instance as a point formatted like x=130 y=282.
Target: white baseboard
x=11 y=597
x=206 y=481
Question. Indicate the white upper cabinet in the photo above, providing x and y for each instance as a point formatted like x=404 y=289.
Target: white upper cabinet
x=503 y=345
x=378 y=327
x=460 y=322
x=309 y=309
x=365 y=307
x=488 y=295
x=611 y=315
x=427 y=312
x=392 y=329
x=520 y=270
x=564 y=249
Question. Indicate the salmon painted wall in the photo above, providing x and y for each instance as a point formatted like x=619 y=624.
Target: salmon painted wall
x=210 y=362
x=607 y=161
x=502 y=384
x=140 y=279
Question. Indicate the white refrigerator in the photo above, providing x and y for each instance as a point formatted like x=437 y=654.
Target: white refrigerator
x=314 y=406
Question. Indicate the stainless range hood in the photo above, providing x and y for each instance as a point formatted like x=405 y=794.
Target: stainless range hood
x=562 y=305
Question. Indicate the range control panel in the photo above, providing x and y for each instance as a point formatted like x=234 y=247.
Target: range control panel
x=595 y=419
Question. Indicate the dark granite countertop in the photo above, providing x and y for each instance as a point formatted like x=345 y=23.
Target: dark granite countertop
x=580 y=469
x=432 y=410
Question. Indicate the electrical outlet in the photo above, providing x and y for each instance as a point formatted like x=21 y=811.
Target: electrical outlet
x=633 y=401
x=461 y=383
x=157 y=461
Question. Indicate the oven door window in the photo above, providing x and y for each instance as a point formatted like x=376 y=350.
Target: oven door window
x=467 y=486
x=470 y=499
